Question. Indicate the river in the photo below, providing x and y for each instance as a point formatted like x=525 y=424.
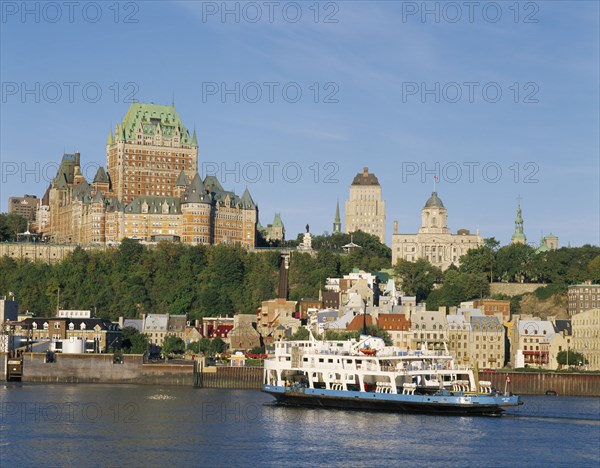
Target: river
x=133 y=425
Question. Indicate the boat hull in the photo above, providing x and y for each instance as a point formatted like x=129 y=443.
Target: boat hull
x=433 y=404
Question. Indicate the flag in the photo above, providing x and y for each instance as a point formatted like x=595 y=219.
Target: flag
x=507 y=379
x=436 y=178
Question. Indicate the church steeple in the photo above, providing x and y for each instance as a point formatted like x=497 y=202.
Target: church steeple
x=337 y=223
x=519 y=235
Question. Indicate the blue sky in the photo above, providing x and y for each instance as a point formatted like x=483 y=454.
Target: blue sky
x=379 y=71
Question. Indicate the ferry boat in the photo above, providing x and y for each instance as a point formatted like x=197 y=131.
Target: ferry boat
x=366 y=374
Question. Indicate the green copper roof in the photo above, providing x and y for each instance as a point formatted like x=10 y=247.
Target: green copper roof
x=153 y=118
x=277 y=222
x=196 y=192
x=434 y=201
x=181 y=180
x=212 y=184
x=154 y=205
x=100 y=177
x=519 y=234
x=247 y=201
x=111 y=138
x=195 y=140
x=66 y=171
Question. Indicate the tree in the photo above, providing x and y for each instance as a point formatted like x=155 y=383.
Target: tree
x=480 y=260
x=11 y=225
x=513 y=262
x=300 y=335
x=570 y=358
x=133 y=342
x=217 y=346
x=173 y=345
x=594 y=269
x=194 y=347
x=417 y=277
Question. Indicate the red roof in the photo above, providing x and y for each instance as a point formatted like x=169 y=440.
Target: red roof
x=396 y=322
x=357 y=322
x=221 y=331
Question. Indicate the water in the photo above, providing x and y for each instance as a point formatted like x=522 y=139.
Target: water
x=131 y=425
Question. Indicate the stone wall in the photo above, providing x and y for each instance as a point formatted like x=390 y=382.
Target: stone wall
x=100 y=368
x=513 y=289
x=538 y=383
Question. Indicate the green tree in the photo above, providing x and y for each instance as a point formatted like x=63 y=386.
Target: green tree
x=513 y=262
x=594 y=269
x=570 y=358
x=133 y=342
x=11 y=225
x=300 y=335
x=480 y=260
x=217 y=346
x=417 y=277
x=173 y=345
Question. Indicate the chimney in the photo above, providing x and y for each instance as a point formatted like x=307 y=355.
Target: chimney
x=395 y=227
x=365 y=171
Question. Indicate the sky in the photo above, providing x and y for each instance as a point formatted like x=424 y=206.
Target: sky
x=499 y=100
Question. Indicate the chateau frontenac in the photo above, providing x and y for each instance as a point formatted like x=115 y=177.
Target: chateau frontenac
x=151 y=190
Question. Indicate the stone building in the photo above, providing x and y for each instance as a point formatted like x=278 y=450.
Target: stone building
x=365 y=209
x=586 y=336
x=274 y=232
x=25 y=206
x=244 y=335
x=583 y=297
x=148 y=151
x=151 y=192
x=434 y=242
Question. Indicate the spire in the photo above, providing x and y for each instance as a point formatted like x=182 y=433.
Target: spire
x=100 y=177
x=337 y=224
x=247 y=201
x=181 y=180
x=111 y=139
x=519 y=235
x=194 y=139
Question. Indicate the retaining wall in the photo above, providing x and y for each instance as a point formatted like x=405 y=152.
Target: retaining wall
x=99 y=368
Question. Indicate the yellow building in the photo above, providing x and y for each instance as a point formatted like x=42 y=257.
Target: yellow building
x=365 y=209
x=586 y=336
x=152 y=191
x=434 y=242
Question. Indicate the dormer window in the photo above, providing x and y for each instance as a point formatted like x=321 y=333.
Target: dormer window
x=71 y=326
x=82 y=326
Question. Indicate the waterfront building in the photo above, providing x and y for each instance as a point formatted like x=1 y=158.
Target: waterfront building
x=25 y=206
x=365 y=209
x=9 y=309
x=98 y=335
x=244 y=335
x=582 y=297
x=434 y=242
x=586 y=336
x=157 y=326
x=398 y=328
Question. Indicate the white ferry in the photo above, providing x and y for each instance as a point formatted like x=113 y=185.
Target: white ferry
x=366 y=374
